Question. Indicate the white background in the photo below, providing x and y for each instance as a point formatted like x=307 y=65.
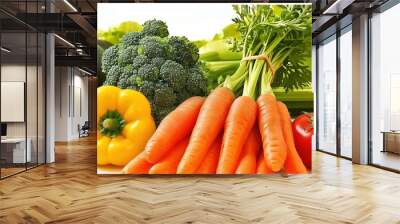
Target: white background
x=194 y=20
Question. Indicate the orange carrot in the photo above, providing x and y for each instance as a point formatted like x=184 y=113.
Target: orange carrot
x=138 y=165
x=238 y=125
x=169 y=163
x=248 y=161
x=293 y=163
x=209 y=124
x=176 y=126
x=210 y=162
x=262 y=167
x=269 y=123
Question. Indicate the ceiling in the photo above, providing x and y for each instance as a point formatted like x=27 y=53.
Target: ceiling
x=331 y=15
x=75 y=22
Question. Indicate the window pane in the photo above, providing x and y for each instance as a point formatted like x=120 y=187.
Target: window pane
x=14 y=153
x=31 y=97
x=327 y=96
x=346 y=94
x=41 y=99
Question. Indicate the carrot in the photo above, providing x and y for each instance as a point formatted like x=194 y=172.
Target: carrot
x=209 y=124
x=176 y=126
x=238 y=125
x=269 y=123
x=262 y=167
x=138 y=165
x=169 y=163
x=293 y=163
x=210 y=162
x=248 y=161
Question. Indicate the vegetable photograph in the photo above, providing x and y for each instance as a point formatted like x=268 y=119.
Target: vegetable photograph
x=229 y=94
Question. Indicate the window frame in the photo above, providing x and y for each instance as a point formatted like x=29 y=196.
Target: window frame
x=337 y=34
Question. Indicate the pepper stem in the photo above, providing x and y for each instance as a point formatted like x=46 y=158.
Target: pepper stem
x=111 y=124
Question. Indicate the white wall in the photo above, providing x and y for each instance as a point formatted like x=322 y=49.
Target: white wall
x=70 y=83
x=61 y=103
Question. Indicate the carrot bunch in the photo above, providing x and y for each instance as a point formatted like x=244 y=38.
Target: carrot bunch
x=222 y=135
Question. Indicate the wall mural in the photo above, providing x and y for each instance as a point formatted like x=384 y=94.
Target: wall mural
x=204 y=88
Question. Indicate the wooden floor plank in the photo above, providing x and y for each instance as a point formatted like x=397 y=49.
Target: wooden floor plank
x=70 y=191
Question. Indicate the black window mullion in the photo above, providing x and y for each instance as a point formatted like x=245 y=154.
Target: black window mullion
x=369 y=100
x=316 y=96
x=44 y=78
x=26 y=87
x=37 y=90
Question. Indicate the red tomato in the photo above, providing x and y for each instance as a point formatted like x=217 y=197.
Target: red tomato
x=303 y=131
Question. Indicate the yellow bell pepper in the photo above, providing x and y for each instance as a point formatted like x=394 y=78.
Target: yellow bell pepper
x=124 y=124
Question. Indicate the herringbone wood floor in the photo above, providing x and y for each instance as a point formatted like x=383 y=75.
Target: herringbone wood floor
x=69 y=191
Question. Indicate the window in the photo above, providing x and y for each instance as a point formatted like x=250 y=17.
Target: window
x=22 y=76
x=346 y=92
x=327 y=96
x=385 y=89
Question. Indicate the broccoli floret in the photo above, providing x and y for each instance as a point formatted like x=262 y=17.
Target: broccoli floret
x=183 y=51
x=132 y=86
x=149 y=72
x=164 y=96
x=165 y=69
x=139 y=61
x=113 y=75
x=147 y=88
x=124 y=79
x=196 y=83
x=184 y=94
x=127 y=55
x=174 y=74
x=110 y=58
x=155 y=28
x=131 y=39
x=164 y=101
x=152 y=46
x=158 y=62
x=134 y=82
